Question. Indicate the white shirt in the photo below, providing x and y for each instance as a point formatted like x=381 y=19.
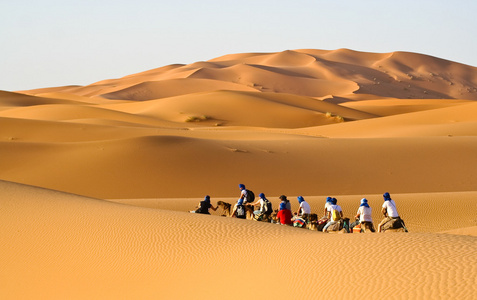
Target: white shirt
x=364 y=214
x=390 y=206
x=263 y=205
x=244 y=193
x=332 y=207
x=305 y=207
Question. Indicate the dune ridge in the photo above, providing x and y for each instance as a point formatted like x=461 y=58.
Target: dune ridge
x=290 y=110
x=96 y=181
x=77 y=247
x=396 y=74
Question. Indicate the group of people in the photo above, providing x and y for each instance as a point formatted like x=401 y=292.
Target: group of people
x=333 y=214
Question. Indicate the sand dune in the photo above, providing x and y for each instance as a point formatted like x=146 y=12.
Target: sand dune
x=88 y=100
x=154 y=162
x=422 y=212
x=243 y=109
x=389 y=107
x=173 y=87
x=316 y=72
x=472 y=231
x=9 y=99
x=76 y=247
x=455 y=120
x=240 y=116
x=148 y=146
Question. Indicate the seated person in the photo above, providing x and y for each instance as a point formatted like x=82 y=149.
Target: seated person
x=204 y=206
x=284 y=216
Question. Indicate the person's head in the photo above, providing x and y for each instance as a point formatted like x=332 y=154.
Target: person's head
x=386 y=196
x=240 y=202
x=242 y=186
x=329 y=199
x=283 y=198
x=261 y=196
x=364 y=202
x=283 y=206
x=300 y=199
x=207 y=198
x=334 y=201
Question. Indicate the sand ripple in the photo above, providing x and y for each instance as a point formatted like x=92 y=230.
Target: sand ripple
x=57 y=244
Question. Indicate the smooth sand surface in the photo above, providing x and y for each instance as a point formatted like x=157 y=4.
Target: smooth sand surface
x=144 y=149
x=57 y=245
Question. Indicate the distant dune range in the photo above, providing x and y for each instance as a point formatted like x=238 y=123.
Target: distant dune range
x=296 y=122
x=96 y=181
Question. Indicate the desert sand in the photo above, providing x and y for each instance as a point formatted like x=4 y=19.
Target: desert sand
x=96 y=181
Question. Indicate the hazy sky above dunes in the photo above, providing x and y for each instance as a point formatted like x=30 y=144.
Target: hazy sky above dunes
x=49 y=43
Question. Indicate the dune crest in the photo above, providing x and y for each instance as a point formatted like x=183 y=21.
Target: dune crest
x=144 y=149
x=342 y=119
x=57 y=245
x=397 y=74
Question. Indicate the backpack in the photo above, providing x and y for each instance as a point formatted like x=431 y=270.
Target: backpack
x=268 y=207
x=250 y=196
x=335 y=215
x=240 y=212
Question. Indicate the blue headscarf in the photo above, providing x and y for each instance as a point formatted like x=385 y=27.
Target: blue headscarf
x=207 y=199
x=386 y=197
x=261 y=195
x=364 y=202
x=329 y=199
x=283 y=206
x=334 y=201
x=300 y=199
x=242 y=186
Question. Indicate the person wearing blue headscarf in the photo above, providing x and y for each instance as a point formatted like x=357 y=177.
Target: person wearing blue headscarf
x=391 y=215
x=328 y=203
x=332 y=217
x=244 y=193
x=363 y=216
x=304 y=210
x=204 y=206
x=284 y=216
x=265 y=210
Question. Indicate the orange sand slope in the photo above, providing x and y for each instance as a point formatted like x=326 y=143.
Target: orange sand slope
x=309 y=122
x=56 y=245
x=305 y=122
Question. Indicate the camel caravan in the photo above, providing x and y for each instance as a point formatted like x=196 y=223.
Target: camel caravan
x=332 y=220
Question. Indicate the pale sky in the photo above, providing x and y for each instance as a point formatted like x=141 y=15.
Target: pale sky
x=46 y=43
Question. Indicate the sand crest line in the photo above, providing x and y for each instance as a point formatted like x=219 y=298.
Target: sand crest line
x=81 y=241
x=298 y=122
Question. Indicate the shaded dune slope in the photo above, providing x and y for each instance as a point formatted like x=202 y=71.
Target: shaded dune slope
x=175 y=166
x=312 y=121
